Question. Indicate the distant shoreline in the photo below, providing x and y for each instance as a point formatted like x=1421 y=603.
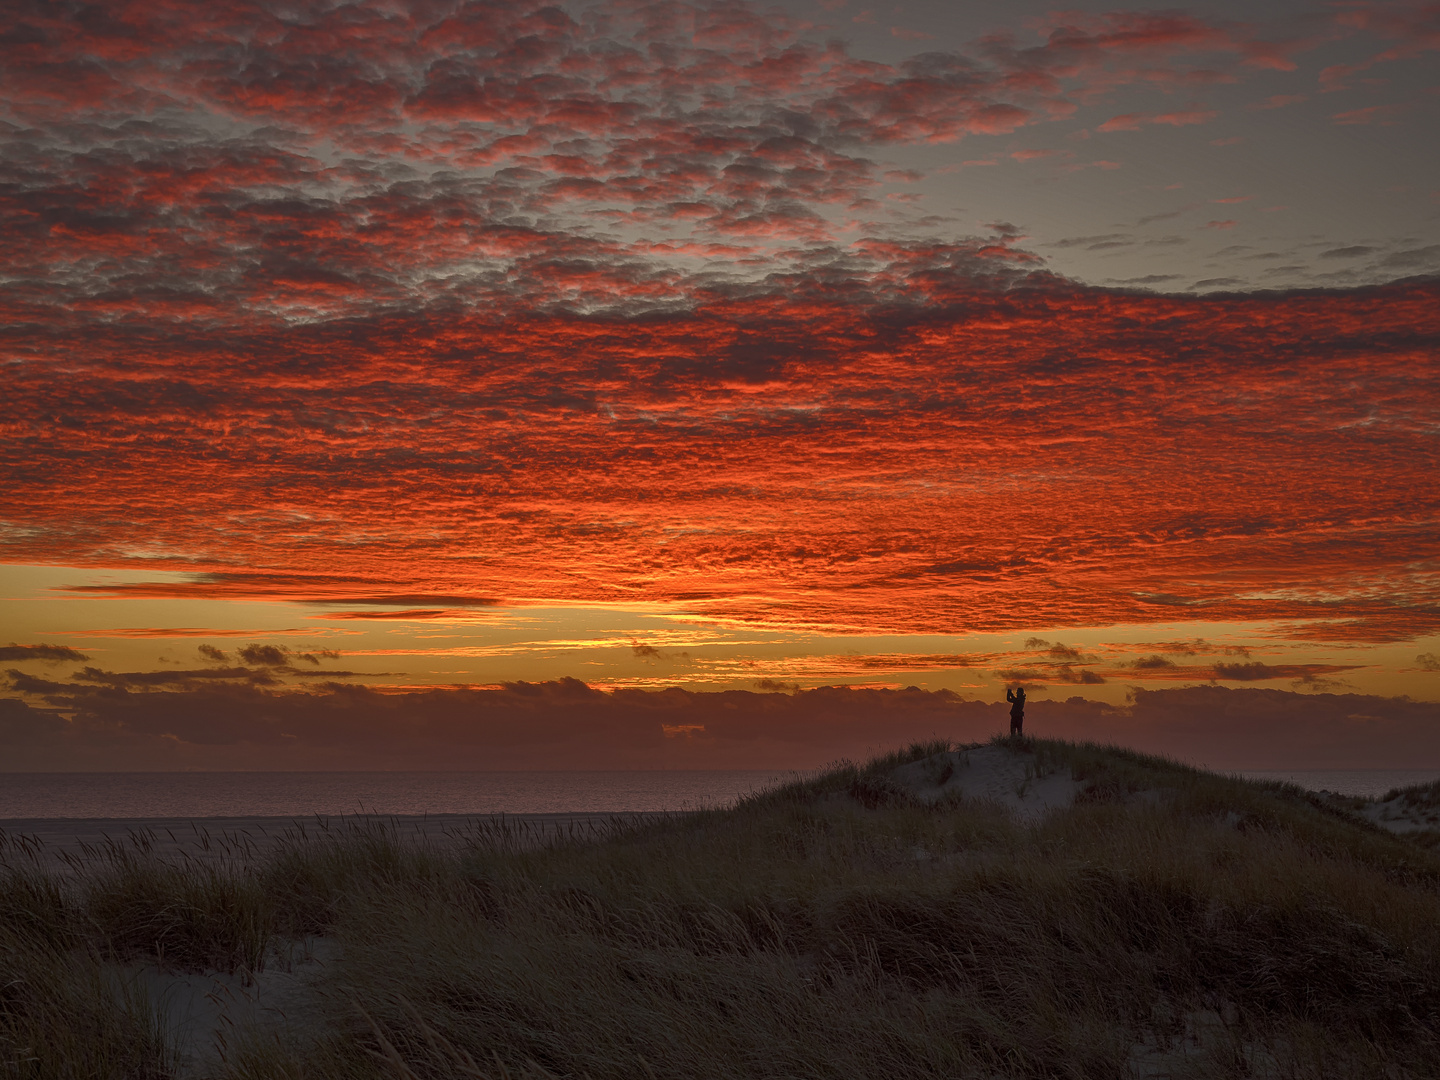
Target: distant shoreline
x=224 y=799
x=222 y=838
x=182 y=796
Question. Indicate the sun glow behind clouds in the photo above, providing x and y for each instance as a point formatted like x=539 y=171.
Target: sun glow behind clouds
x=1035 y=457
x=650 y=646
x=481 y=342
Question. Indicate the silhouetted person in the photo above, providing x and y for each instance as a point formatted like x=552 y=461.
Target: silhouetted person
x=1017 y=710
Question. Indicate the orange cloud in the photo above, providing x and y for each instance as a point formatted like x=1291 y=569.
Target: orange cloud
x=184 y=632
x=370 y=350
x=903 y=449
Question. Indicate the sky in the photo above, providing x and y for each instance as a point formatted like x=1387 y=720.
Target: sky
x=671 y=385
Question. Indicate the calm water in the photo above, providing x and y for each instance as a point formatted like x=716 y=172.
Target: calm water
x=295 y=794
x=291 y=794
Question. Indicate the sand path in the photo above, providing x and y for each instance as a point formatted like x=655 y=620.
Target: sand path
x=995 y=774
x=1402 y=816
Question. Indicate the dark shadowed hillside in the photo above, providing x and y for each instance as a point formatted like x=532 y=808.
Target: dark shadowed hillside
x=1024 y=909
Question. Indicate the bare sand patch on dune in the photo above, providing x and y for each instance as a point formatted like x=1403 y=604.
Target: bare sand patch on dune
x=205 y=1014
x=1395 y=815
x=881 y=939
x=1413 y=810
x=1007 y=777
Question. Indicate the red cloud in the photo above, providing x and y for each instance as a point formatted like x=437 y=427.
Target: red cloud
x=887 y=443
x=1134 y=121
x=1277 y=101
x=455 y=129
x=329 y=290
x=1412 y=28
x=1127 y=122
x=1372 y=114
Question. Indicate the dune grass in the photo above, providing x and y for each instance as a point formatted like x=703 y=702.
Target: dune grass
x=1423 y=795
x=1173 y=922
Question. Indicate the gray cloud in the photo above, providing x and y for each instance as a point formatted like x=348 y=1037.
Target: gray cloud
x=1094 y=243
x=1245 y=672
x=1153 y=663
x=1147 y=279
x=1413 y=259
x=53 y=654
x=567 y=724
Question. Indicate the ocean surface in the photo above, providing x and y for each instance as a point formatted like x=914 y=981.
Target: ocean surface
x=297 y=794
x=1367 y=783
x=302 y=794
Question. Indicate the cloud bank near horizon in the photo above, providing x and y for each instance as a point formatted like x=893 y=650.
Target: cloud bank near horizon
x=246 y=723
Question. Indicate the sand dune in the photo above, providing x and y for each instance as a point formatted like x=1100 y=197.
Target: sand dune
x=995 y=774
x=58 y=842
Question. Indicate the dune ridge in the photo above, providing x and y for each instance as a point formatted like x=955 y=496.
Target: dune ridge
x=1041 y=909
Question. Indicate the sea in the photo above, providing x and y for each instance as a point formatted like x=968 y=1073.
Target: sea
x=33 y=796
x=1364 y=783
x=330 y=794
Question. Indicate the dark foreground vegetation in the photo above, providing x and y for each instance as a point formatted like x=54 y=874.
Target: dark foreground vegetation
x=1171 y=923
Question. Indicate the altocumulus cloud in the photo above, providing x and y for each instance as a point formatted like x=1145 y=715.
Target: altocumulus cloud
x=309 y=159
x=831 y=450
x=566 y=292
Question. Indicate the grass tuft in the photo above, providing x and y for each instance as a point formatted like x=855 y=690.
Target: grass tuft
x=1172 y=922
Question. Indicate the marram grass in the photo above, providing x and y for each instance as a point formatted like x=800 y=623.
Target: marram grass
x=1172 y=923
